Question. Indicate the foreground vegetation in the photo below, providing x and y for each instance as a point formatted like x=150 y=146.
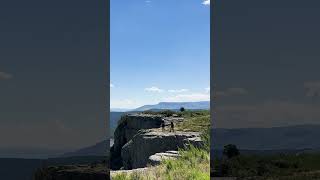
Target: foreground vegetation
x=270 y=167
x=194 y=163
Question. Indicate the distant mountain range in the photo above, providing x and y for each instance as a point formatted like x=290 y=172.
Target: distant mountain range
x=275 y=138
x=99 y=149
x=176 y=105
x=30 y=153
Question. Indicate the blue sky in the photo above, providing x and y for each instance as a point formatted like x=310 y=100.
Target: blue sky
x=160 y=51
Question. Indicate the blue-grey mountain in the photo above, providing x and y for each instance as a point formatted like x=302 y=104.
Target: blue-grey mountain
x=176 y=105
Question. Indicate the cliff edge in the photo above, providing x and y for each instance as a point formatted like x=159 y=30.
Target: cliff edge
x=139 y=136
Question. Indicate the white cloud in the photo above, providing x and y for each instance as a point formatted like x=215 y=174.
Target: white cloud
x=188 y=97
x=177 y=90
x=154 y=89
x=207 y=89
x=5 y=76
x=148 y=1
x=206 y=2
x=124 y=103
x=111 y=85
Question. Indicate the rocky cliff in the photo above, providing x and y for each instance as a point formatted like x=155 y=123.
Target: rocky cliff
x=128 y=126
x=139 y=136
x=136 y=153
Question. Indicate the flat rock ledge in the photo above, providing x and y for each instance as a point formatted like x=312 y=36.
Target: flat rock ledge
x=156 y=159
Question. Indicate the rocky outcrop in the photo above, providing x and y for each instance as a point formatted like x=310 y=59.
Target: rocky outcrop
x=136 y=153
x=139 y=136
x=128 y=126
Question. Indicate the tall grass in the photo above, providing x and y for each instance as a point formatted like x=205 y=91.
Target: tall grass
x=194 y=164
x=194 y=121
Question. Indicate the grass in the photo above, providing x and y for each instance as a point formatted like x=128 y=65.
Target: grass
x=193 y=164
x=194 y=121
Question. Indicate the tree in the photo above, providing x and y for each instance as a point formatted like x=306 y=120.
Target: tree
x=230 y=151
x=182 y=109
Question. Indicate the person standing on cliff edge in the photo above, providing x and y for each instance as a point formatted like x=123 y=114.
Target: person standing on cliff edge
x=162 y=125
x=171 y=127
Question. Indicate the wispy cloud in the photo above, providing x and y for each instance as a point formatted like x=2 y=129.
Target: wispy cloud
x=207 y=89
x=124 y=103
x=5 y=76
x=188 y=97
x=206 y=2
x=177 y=90
x=154 y=89
x=111 y=85
x=147 y=1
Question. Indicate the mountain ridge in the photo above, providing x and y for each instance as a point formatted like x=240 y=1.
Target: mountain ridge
x=176 y=105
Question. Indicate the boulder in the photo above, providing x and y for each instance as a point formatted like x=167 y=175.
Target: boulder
x=136 y=153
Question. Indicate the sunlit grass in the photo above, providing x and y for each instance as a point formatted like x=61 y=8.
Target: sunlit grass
x=194 y=164
x=194 y=121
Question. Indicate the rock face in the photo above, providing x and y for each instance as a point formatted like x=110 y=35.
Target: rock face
x=139 y=136
x=136 y=153
x=128 y=126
